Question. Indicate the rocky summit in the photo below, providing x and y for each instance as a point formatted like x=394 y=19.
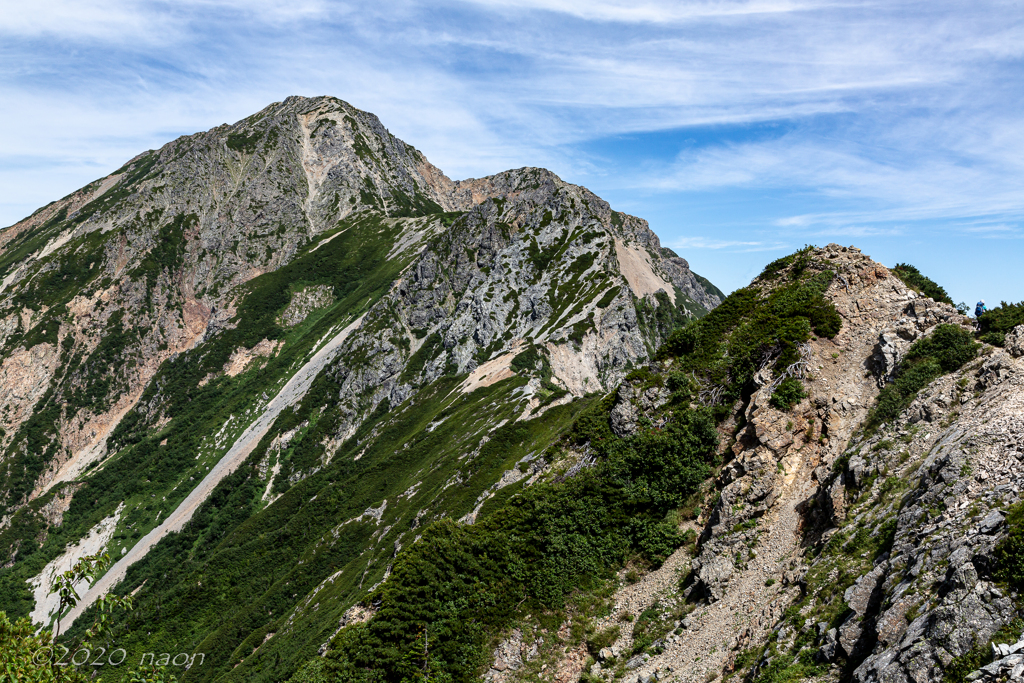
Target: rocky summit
x=283 y=402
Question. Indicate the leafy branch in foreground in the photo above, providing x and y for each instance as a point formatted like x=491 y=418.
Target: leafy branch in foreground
x=29 y=656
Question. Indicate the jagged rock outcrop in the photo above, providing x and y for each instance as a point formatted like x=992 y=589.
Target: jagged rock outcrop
x=779 y=453
x=781 y=492
x=1015 y=342
x=633 y=404
x=539 y=264
x=907 y=520
x=964 y=436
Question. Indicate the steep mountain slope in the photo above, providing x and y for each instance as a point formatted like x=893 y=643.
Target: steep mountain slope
x=293 y=312
x=341 y=418
x=863 y=521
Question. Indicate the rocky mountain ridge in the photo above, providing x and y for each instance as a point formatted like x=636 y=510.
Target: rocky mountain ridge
x=832 y=552
x=785 y=590
x=339 y=417
x=164 y=245
x=260 y=309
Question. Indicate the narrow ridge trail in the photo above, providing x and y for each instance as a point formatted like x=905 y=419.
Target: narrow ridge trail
x=880 y=315
x=748 y=608
x=293 y=391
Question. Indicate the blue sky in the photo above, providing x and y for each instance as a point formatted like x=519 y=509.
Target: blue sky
x=740 y=130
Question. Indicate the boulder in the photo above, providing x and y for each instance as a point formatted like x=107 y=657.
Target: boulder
x=887 y=356
x=991 y=523
x=829 y=645
x=712 y=573
x=849 y=635
x=864 y=596
x=637 y=661
x=892 y=624
x=624 y=414
x=1014 y=343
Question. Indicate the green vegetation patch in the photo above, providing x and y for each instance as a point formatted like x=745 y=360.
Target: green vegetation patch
x=168 y=252
x=726 y=347
x=466 y=583
x=151 y=469
x=981 y=655
x=912 y=277
x=1010 y=551
x=662 y=318
x=430 y=349
x=243 y=142
x=608 y=297
x=789 y=392
x=235 y=574
x=947 y=349
x=526 y=361
x=996 y=323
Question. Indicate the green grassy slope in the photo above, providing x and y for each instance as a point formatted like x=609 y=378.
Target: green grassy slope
x=155 y=463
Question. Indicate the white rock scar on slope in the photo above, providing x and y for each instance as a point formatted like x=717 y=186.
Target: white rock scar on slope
x=291 y=393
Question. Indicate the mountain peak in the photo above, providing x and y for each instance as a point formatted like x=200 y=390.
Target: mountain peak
x=293 y=296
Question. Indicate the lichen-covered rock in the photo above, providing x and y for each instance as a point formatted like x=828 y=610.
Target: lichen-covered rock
x=1014 y=342
x=305 y=302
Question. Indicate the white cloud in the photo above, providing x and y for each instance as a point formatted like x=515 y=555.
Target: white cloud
x=896 y=112
x=648 y=12
x=729 y=245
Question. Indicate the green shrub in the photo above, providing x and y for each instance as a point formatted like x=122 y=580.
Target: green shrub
x=19 y=647
x=240 y=142
x=951 y=346
x=465 y=582
x=1003 y=318
x=1010 y=551
x=783 y=669
x=312 y=672
x=913 y=278
x=540 y=258
x=789 y=392
x=944 y=351
x=647 y=628
x=993 y=338
x=726 y=347
x=961 y=667
x=431 y=347
x=602 y=639
x=526 y=360
x=608 y=297
x=980 y=655
x=662 y=317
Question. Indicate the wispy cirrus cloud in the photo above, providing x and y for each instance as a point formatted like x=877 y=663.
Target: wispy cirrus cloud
x=731 y=245
x=650 y=12
x=764 y=122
